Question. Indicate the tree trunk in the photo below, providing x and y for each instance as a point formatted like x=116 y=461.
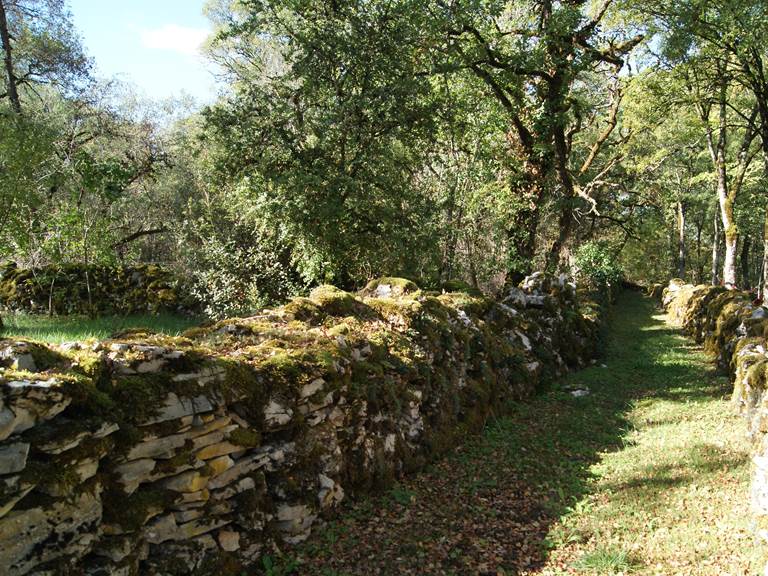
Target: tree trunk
x=10 y=76
x=765 y=258
x=746 y=244
x=731 y=235
x=680 y=239
x=716 y=251
x=699 y=262
x=727 y=192
x=521 y=234
x=565 y=221
x=725 y=201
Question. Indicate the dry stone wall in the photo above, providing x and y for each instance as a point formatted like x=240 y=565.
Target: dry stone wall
x=733 y=328
x=74 y=289
x=158 y=455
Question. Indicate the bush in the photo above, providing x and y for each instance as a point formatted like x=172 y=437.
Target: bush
x=597 y=266
x=235 y=269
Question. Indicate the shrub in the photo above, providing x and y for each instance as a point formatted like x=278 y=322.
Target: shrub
x=596 y=265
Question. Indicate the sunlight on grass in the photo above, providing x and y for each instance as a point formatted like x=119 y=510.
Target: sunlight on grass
x=674 y=499
x=606 y=561
x=57 y=329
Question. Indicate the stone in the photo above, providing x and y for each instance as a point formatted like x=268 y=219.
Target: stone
x=191 y=481
x=116 y=548
x=13 y=457
x=525 y=340
x=153 y=447
x=60 y=445
x=151 y=366
x=175 y=407
x=244 y=466
x=229 y=541
x=516 y=297
x=295 y=521
x=7 y=422
x=760 y=313
x=35 y=536
x=83 y=470
x=188 y=515
x=331 y=492
x=313 y=387
x=220 y=465
x=215 y=437
x=19 y=357
x=29 y=402
x=216 y=450
x=8 y=501
x=166 y=446
x=276 y=415
x=70 y=346
x=161 y=529
x=201 y=496
x=241 y=486
x=205 y=376
x=760 y=485
x=133 y=473
x=25 y=362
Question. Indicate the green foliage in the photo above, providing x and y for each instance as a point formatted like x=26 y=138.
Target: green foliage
x=235 y=269
x=596 y=265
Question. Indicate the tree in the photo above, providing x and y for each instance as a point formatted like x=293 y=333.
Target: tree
x=732 y=35
x=40 y=46
x=351 y=96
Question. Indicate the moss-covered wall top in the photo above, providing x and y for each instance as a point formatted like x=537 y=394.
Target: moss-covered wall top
x=158 y=455
x=97 y=290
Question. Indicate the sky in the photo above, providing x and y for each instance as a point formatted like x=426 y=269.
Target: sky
x=153 y=44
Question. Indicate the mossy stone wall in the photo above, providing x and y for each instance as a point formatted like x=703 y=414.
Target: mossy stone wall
x=190 y=455
x=95 y=290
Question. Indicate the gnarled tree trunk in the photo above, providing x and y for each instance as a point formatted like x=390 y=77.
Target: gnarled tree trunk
x=10 y=76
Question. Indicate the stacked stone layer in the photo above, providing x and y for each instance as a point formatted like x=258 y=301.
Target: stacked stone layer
x=159 y=455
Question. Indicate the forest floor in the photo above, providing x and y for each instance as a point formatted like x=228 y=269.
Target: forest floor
x=647 y=474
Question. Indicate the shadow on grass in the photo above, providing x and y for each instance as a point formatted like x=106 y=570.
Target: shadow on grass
x=488 y=507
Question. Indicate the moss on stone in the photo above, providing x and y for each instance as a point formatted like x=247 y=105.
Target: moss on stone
x=132 y=512
x=303 y=309
x=335 y=302
x=245 y=437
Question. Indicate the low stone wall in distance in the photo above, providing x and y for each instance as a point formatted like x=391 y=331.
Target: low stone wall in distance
x=190 y=455
x=734 y=330
x=72 y=289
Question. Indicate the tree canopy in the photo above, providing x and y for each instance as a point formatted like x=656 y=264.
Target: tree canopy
x=445 y=141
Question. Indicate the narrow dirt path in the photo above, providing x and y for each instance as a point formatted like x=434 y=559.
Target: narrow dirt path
x=647 y=474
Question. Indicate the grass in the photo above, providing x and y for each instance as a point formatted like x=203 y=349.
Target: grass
x=646 y=475
x=605 y=561
x=57 y=329
x=672 y=496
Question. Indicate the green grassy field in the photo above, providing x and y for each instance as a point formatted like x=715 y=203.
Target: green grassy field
x=647 y=474
x=57 y=329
